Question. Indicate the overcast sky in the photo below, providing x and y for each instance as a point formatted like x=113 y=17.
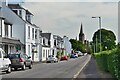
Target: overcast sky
x=64 y=18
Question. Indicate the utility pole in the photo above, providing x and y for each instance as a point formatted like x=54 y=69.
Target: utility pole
x=100 y=23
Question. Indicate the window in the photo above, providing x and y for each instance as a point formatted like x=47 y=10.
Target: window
x=28 y=18
x=20 y=13
x=54 y=42
x=32 y=33
x=35 y=33
x=11 y=32
x=6 y=30
x=43 y=41
x=53 y=52
x=28 y=32
x=43 y=53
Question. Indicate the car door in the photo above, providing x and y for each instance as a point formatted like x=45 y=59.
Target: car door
x=6 y=60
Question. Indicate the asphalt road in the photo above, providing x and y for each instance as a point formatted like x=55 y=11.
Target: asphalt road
x=62 y=69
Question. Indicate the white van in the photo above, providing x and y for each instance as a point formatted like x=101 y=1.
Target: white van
x=5 y=63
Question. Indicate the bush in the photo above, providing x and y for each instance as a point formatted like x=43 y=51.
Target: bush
x=109 y=61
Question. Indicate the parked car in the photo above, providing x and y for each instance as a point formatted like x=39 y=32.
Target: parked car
x=79 y=53
x=64 y=58
x=76 y=55
x=72 y=56
x=52 y=58
x=5 y=63
x=20 y=61
x=85 y=54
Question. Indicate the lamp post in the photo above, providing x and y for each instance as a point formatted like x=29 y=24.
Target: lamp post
x=99 y=28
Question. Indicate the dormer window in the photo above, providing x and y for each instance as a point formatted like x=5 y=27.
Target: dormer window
x=20 y=13
x=28 y=18
x=36 y=33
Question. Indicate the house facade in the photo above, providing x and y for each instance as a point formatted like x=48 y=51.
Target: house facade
x=45 y=49
x=9 y=43
x=67 y=45
x=48 y=47
x=24 y=30
x=59 y=45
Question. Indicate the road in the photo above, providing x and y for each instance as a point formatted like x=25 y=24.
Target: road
x=62 y=69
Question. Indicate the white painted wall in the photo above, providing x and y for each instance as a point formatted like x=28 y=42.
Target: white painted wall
x=18 y=29
x=23 y=14
x=67 y=45
x=52 y=46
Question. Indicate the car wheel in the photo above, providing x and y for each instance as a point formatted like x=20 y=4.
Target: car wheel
x=30 y=67
x=9 y=69
x=23 y=67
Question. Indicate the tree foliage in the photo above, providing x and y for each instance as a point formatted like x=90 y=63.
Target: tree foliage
x=108 y=39
x=79 y=46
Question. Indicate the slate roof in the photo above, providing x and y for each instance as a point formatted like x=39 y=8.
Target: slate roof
x=46 y=35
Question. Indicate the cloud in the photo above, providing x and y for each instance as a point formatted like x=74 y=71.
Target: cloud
x=64 y=18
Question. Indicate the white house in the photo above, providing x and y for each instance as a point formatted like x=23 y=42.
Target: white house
x=52 y=48
x=23 y=29
x=7 y=41
x=59 y=44
x=45 y=49
x=67 y=45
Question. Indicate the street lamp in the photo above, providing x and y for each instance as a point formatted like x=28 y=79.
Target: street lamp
x=99 y=28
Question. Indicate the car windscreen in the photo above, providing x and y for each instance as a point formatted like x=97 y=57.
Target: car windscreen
x=12 y=56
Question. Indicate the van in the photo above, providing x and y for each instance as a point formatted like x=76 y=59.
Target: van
x=5 y=63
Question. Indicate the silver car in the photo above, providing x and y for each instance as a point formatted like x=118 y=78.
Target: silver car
x=20 y=61
x=52 y=59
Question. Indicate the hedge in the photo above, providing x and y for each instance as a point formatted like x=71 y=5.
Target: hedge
x=109 y=61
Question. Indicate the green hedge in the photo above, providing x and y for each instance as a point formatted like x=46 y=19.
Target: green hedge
x=109 y=61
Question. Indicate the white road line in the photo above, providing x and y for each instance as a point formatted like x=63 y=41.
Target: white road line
x=76 y=75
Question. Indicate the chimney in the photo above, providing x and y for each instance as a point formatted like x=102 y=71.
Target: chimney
x=4 y=2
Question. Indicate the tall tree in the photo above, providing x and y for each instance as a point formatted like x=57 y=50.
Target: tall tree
x=77 y=45
x=108 y=39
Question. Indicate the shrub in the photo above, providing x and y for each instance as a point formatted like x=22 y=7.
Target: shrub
x=109 y=61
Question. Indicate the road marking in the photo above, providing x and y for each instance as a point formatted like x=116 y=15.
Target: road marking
x=76 y=75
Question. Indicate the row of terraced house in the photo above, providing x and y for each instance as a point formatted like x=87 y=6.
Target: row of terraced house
x=19 y=34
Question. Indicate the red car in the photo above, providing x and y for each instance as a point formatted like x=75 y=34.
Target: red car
x=64 y=58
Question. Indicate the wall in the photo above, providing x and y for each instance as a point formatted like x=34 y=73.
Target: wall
x=18 y=24
x=67 y=45
x=45 y=53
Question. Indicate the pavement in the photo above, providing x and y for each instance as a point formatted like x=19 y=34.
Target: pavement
x=93 y=72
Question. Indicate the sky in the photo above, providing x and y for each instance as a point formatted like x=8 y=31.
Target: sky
x=63 y=17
